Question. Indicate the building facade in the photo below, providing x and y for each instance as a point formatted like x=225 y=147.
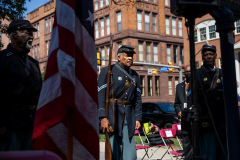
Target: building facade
x=148 y=26
x=205 y=33
x=153 y=31
x=42 y=19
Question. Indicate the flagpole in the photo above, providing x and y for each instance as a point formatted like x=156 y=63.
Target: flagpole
x=70 y=134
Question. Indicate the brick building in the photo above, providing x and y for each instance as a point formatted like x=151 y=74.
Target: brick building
x=153 y=31
x=42 y=18
x=147 y=26
x=205 y=32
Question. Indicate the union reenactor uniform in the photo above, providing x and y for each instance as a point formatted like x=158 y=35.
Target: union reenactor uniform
x=20 y=86
x=210 y=83
x=125 y=94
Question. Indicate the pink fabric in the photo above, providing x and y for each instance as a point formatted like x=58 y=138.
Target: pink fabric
x=136 y=131
x=142 y=147
x=163 y=133
x=29 y=155
x=177 y=152
x=175 y=126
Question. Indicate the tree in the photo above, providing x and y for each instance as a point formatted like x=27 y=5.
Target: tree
x=10 y=10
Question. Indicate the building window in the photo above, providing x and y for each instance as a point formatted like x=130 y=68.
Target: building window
x=107 y=2
x=38 y=30
x=212 y=31
x=103 y=56
x=140 y=51
x=119 y=45
x=154 y=22
x=176 y=82
x=195 y=36
x=173 y=26
x=108 y=25
x=108 y=50
x=46 y=47
x=149 y=85
x=35 y=32
x=119 y=21
x=170 y=86
x=102 y=27
x=101 y=3
x=96 y=4
x=147 y=22
x=139 y=20
x=46 y=25
x=33 y=52
x=38 y=51
x=175 y=54
x=142 y=85
x=155 y=52
x=167 y=25
x=50 y=25
x=181 y=55
x=166 y=2
x=203 y=33
x=168 y=53
x=238 y=26
x=96 y=29
x=148 y=52
x=220 y=62
x=196 y=65
x=180 y=27
x=157 y=86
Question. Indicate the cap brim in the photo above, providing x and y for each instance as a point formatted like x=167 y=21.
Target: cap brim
x=28 y=28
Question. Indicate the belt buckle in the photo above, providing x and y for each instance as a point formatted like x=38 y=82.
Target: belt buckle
x=32 y=106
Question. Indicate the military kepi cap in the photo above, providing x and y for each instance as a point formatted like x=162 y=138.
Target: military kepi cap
x=208 y=48
x=20 y=24
x=126 y=49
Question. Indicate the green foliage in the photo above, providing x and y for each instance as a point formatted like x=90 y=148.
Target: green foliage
x=43 y=73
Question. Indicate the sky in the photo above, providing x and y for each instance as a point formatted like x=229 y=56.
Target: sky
x=33 y=4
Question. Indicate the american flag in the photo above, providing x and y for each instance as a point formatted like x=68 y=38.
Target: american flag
x=70 y=81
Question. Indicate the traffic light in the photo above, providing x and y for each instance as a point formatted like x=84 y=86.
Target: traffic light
x=170 y=64
x=154 y=71
x=98 y=57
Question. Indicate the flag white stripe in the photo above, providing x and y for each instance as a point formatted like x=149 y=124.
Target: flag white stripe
x=89 y=109
x=54 y=40
x=83 y=41
x=58 y=134
x=47 y=95
x=66 y=65
x=65 y=16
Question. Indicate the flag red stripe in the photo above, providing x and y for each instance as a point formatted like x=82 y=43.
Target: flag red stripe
x=68 y=92
x=87 y=76
x=70 y=3
x=52 y=65
x=84 y=133
x=48 y=115
x=50 y=145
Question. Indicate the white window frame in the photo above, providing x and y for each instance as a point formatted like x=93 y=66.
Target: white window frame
x=102 y=27
x=96 y=4
x=174 y=26
x=46 y=21
x=170 y=92
x=166 y=2
x=38 y=30
x=47 y=47
x=167 y=25
x=50 y=25
x=148 y=54
x=107 y=2
x=119 y=21
x=212 y=32
x=154 y=25
x=108 y=24
x=119 y=45
x=96 y=29
x=180 y=27
x=38 y=50
x=140 y=51
x=168 y=53
x=147 y=21
x=139 y=20
x=237 y=27
x=101 y=3
x=142 y=85
x=155 y=52
x=103 y=55
x=150 y=86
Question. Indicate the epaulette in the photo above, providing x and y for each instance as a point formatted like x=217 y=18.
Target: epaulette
x=9 y=54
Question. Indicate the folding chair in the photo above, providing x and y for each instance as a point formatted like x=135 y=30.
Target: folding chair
x=178 y=128
x=143 y=146
x=170 y=133
x=158 y=145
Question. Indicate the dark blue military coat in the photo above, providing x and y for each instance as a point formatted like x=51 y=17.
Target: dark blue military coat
x=133 y=112
x=10 y=79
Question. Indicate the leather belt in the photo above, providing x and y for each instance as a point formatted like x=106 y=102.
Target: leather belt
x=121 y=101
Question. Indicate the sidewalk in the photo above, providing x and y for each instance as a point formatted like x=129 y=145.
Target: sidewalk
x=140 y=153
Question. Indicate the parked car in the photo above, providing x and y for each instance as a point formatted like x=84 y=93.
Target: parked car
x=160 y=114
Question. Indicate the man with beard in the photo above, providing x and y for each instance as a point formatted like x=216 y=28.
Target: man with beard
x=20 y=86
x=125 y=95
x=209 y=82
x=179 y=105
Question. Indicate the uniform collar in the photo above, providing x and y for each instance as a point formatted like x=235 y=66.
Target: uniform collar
x=15 y=51
x=208 y=69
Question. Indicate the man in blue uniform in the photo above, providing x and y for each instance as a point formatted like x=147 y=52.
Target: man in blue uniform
x=209 y=83
x=125 y=94
x=20 y=86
